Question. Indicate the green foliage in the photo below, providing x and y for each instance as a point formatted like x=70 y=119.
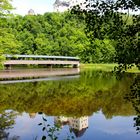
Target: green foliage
x=2 y=58
x=105 y=21
x=5 y=7
x=96 y=90
x=8 y=42
x=100 y=51
x=52 y=132
x=134 y=98
x=53 y=34
x=7 y=120
x=100 y=34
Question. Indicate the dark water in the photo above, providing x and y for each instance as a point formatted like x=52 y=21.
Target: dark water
x=95 y=105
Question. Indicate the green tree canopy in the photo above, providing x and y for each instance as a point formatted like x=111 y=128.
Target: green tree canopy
x=5 y=7
x=105 y=20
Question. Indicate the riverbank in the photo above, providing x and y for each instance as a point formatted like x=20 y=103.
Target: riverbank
x=106 y=67
x=102 y=67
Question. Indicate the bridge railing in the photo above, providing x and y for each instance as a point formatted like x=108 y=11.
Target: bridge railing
x=40 y=57
x=40 y=60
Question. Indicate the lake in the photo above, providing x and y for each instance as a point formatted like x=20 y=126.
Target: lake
x=83 y=105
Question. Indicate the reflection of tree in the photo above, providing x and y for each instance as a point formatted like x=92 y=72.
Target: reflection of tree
x=80 y=97
x=6 y=122
x=77 y=127
x=134 y=98
x=52 y=132
x=92 y=92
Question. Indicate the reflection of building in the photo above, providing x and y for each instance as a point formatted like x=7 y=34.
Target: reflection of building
x=78 y=125
x=31 y=12
x=32 y=115
x=63 y=5
x=61 y=120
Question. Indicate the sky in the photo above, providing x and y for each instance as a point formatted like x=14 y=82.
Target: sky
x=39 y=6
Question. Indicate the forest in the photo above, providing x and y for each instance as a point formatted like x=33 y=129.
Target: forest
x=53 y=34
x=99 y=34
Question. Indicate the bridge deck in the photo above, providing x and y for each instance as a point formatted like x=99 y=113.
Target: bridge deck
x=40 y=60
x=36 y=62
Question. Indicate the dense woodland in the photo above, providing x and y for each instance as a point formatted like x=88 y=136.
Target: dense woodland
x=117 y=21
x=53 y=34
x=99 y=34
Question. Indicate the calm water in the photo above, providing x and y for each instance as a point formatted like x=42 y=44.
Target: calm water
x=92 y=105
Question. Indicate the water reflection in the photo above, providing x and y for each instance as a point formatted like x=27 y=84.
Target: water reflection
x=77 y=125
x=95 y=105
x=36 y=73
x=7 y=121
x=134 y=98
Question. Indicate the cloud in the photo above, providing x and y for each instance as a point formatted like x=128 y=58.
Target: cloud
x=39 y=6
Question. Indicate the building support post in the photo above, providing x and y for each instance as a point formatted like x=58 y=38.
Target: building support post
x=76 y=66
x=7 y=67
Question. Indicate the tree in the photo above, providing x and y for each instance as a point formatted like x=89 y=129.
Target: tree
x=5 y=7
x=8 y=42
x=105 y=21
x=7 y=39
x=6 y=122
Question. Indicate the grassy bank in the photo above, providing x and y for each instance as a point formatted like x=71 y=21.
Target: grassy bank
x=106 y=67
x=102 y=67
